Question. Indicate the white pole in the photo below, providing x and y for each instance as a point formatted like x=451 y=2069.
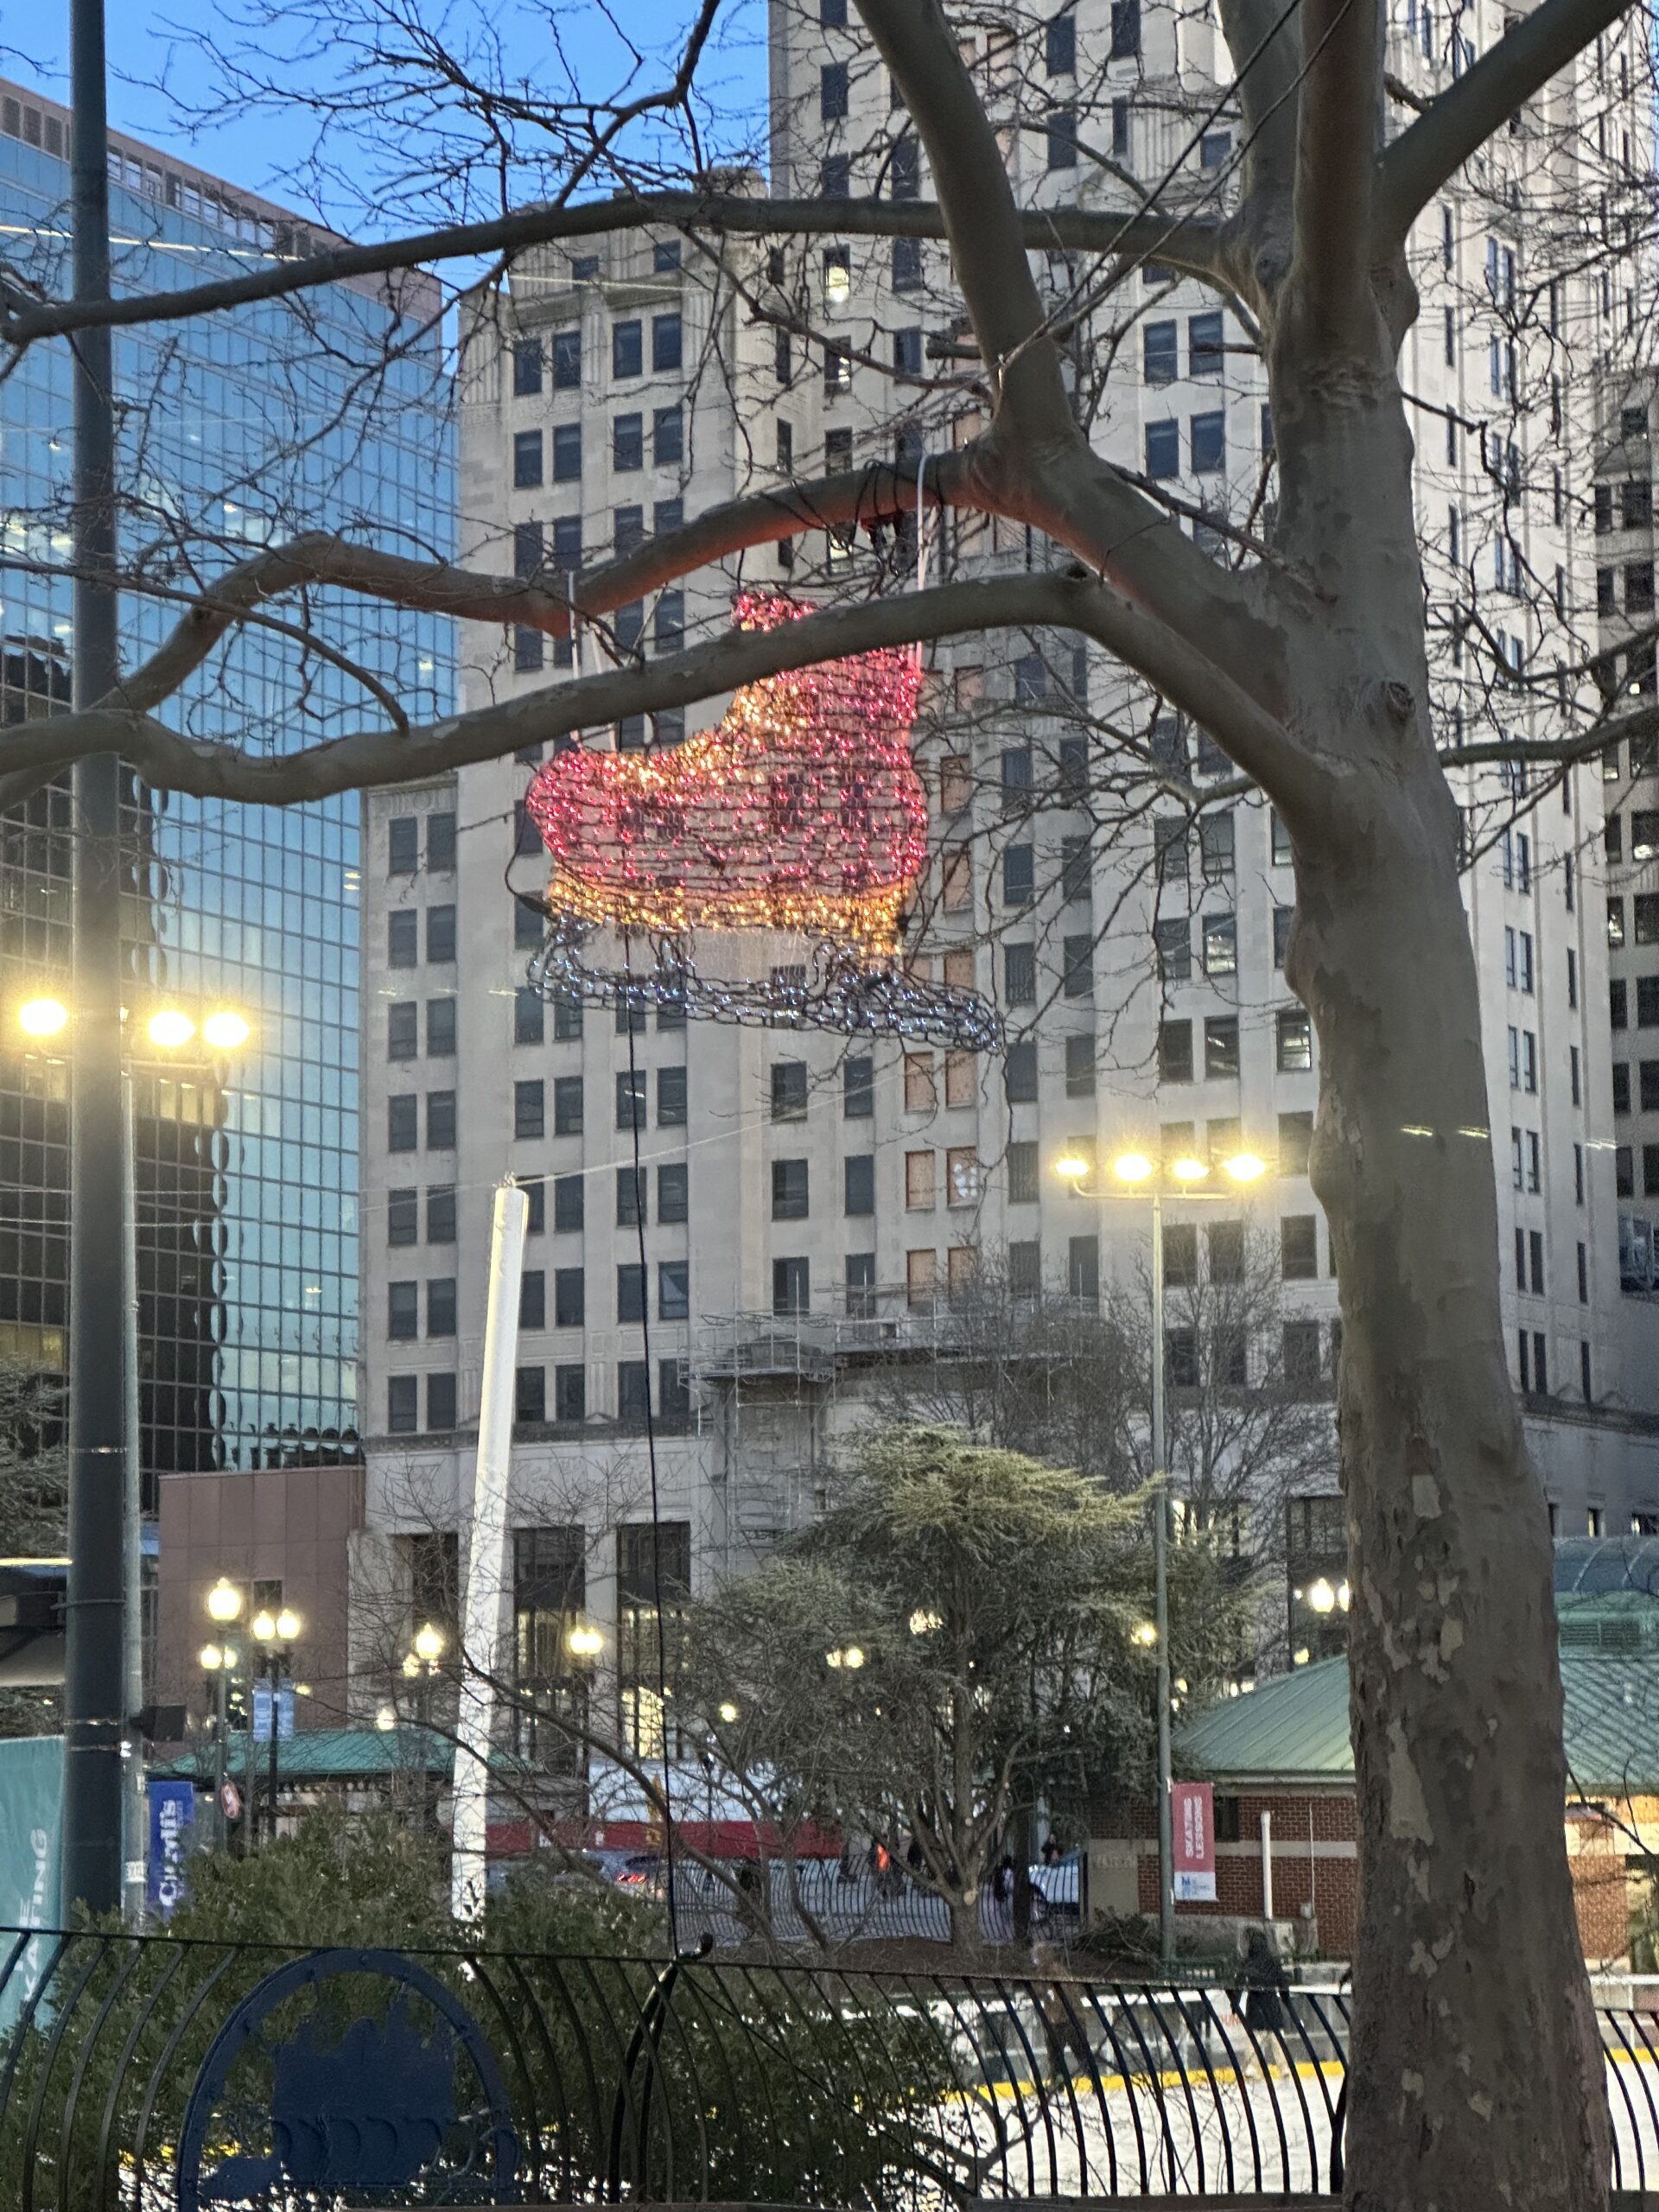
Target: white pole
x=132 y=1620
x=1266 y=1866
x=485 y=1554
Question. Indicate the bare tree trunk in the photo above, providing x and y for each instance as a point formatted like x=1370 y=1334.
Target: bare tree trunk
x=1473 y=2002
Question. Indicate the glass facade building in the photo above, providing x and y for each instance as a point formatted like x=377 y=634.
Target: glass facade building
x=237 y=430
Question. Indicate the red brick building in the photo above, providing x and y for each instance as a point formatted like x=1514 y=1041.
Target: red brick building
x=1281 y=1762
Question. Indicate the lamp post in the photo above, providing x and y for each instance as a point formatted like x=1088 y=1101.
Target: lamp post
x=275 y=1634
x=219 y=1660
x=1141 y=1176
x=421 y=1663
x=92 y=1617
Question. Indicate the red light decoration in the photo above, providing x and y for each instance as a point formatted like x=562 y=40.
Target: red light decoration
x=801 y=812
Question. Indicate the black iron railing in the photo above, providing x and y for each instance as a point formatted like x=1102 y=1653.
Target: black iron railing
x=161 y=2075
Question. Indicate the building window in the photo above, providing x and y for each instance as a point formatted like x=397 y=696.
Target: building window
x=1160 y=353
x=1205 y=345
x=403 y=844
x=861 y=1285
x=441 y=935
x=919 y=1182
x=1077 y=972
x=402 y=1404
x=569 y=1208
x=653 y=1587
x=440 y=1121
x=630 y=1293
x=1083 y=1269
x=1060 y=46
x=1163 y=450
x=673 y=1190
x=1019 y=875
x=567 y=1106
x=1295 y=1143
x=791 y=1286
x=832 y=91
x=1080 y=1065
x=627 y=349
x=441 y=1306
x=790 y=1198
x=1209 y=434
x=403 y=1311
x=529 y=1119
x=567 y=454
x=674 y=1290
x=1125 y=30
x=857 y=1089
x=1294 y=1038
x=1175 y=1052
x=403 y=1030
x=528 y=1016
x=1019 y=1072
x=1020 y=975
x=567 y=360
x=858 y=1177
x=921 y=1280
x=1061 y=138
x=789 y=1091
x=403 y=939
x=1220 y=944
x=1299 y=1249
x=1220 y=1046
x=631 y=1101
x=569 y=1297
x=526 y=460
x=529 y=1396
x=402 y=1123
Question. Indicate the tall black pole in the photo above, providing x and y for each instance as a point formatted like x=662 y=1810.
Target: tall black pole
x=94 y=1701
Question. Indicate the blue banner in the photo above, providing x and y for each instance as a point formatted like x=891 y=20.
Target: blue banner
x=172 y=1817
x=262 y=1712
x=31 y=1803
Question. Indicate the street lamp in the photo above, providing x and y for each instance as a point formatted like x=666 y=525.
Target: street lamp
x=103 y=1671
x=1135 y=1173
x=275 y=1635
x=584 y=1641
x=420 y=1665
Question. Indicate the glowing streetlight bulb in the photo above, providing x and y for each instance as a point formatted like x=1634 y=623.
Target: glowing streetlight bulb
x=226 y=1030
x=43 y=1017
x=263 y=1628
x=212 y=1658
x=1070 y=1167
x=924 y=1620
x=1145 y=1633
x=411 y=1665
x=1345 y=1596
x=1189 y=1170
x=1321 y=1596
x=585 y=1642
x=428 y=1643
x=385 y=1717
x=1245 y=1167
x=853 y=1656
x=224 y=1601
x=170 y=1028
x=727 y=1710
x=288 y=1625
x=1132 y=1167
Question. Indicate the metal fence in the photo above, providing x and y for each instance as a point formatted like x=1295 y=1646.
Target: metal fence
x=158 y=2076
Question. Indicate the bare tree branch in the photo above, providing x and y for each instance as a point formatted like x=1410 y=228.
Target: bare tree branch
x=169 y=760
x=1190 y=244
x=1536 y=45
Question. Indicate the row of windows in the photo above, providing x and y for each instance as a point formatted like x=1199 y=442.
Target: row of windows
x=569 y=1204
x=530 y=361
x=1647 y=1086
x=403 y=936
x=1647 y=1002
x=632 y=1102
x=1206 y=446
x=1644 y=834
x=1637 y=576
x=529 y=1398
x=1635 y=504
x=531 y=451
x=1644 y=916
x=1624 y=1167
x=569 y=1301
x=403 y=843
x=1205 y=348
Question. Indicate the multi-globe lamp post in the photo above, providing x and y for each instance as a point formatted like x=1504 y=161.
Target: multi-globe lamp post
x=276 y=1633
x=421 y=1665
x=103 y=1785
x=219 y=1662
x=1135 y=1175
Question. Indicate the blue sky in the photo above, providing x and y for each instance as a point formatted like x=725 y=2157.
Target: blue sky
x=260 y=150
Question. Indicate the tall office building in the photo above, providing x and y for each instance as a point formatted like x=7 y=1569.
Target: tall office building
x=236 y=430
x=815 y=1212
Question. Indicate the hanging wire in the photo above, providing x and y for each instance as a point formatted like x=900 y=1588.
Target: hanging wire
x=651 y=1456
